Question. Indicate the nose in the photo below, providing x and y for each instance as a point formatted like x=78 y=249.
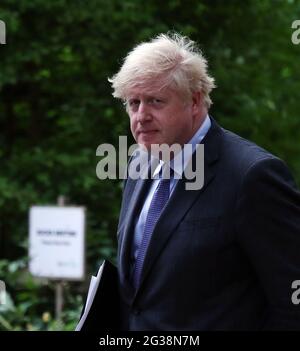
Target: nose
x=143 y=113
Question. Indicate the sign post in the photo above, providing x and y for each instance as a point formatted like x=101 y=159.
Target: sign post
x=57 y=246
x=59 y=288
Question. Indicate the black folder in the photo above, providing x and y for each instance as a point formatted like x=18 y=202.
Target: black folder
x=104 y=313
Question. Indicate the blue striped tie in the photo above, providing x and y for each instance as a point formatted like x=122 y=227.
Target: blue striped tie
x=158 y=202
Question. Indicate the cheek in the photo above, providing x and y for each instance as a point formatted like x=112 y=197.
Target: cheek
x=133 y=124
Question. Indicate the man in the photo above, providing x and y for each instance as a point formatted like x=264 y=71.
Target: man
x=222 y=257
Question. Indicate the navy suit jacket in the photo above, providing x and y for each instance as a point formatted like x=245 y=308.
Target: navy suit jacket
x=220 y=258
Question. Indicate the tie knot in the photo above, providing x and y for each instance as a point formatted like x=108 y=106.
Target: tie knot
x=166 y=172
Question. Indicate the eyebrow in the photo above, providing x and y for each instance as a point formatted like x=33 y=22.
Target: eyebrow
x=152 y=96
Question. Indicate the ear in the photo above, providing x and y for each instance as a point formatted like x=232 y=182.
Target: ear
x=196 y=102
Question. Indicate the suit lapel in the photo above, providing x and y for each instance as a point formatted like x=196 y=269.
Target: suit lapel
x=126 y=235
x=136 y=202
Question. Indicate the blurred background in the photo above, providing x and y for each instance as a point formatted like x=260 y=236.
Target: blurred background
x=56 y=107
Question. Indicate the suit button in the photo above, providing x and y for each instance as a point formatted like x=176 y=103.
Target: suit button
x=136 y=311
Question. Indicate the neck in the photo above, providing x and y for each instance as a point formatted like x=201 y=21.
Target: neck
x=198 y=121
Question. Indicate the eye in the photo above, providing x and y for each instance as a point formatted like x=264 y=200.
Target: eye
x=155 y=101
x=132 y=104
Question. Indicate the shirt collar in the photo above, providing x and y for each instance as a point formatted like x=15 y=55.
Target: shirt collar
x=180 y=161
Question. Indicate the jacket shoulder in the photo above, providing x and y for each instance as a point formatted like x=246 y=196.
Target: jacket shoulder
x=242 y=153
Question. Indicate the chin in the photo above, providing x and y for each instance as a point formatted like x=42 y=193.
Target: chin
x=144 y=145
x=147 y=143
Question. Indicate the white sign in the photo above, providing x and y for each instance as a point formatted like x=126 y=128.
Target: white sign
x=56 y=242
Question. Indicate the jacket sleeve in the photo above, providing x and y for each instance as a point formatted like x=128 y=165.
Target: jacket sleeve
x=268 y=230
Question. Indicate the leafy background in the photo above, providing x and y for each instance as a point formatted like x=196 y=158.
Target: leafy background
x=56 y=108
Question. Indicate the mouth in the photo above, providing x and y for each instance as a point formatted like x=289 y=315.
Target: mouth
x=147 y=132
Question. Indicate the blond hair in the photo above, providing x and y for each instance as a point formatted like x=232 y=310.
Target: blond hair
x=172 y=60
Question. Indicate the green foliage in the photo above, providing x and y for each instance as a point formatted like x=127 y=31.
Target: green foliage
x=28 y=304
x=56 y=108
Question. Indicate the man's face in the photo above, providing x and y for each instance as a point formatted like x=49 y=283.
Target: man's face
x=160 y=116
